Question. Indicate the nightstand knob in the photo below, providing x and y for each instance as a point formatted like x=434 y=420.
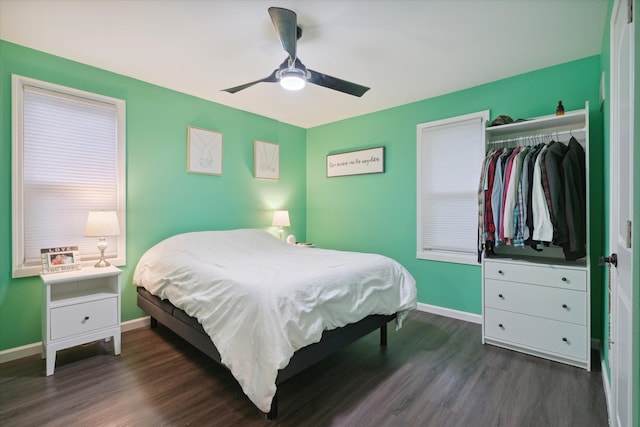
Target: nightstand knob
x=565 y=339
x=501 y=296
x=85 y=319
x=564 y=279
x=500 y=272
x=565 y=306
x=500 y=325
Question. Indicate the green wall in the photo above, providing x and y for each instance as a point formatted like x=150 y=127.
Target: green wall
x=162 y=199
x=377 y=213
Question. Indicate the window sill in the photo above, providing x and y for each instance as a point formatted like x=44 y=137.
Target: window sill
x=468 y=259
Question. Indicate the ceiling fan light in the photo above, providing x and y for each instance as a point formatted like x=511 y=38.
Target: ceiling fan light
x=292 y=79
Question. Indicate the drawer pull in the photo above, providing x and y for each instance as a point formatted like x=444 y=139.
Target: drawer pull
x=564 y=279
x=501 y=296
x=500 y=272
x=500 y=325
x=565 y=339
x=85 y=319
x=565 y=306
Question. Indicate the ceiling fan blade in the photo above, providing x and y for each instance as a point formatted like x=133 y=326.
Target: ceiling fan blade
x=269 y=79
x=285 y=23
x=336 y=84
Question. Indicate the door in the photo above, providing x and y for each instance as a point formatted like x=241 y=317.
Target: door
x=621 y=171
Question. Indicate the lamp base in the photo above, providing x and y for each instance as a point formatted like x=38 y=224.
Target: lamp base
x=102 y=263
x=102 y=245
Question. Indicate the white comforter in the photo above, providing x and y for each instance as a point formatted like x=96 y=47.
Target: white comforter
x=261 y=299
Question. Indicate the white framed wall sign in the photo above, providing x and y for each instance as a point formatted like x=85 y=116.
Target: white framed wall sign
x=356 y=162
x=204 y=151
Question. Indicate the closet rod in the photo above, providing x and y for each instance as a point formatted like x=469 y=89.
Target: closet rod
x=538 y=136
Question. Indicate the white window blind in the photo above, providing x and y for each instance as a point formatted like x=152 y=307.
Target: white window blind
x=68 y=161
x=450 y=154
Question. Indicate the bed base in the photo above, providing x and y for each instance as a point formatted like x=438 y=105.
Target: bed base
x=162 y=311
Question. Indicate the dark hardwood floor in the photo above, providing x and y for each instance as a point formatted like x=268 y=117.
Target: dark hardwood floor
x=435 y=372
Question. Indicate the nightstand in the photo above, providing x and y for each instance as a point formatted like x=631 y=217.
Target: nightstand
x=79 y=307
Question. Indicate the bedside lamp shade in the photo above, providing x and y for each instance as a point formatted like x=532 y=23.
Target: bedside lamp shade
x=102 y=224
x=281 y=219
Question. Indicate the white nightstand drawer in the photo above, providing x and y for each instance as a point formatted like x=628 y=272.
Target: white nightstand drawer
x=85 y=317
x=537 y=333
x=553 y=303
x=547 y=275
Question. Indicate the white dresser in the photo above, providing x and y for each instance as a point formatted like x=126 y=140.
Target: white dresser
x=538 y=308
x=79 y=307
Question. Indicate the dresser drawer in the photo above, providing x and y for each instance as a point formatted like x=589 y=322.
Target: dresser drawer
x=84 y=317
x=537 y=333
x=547 y=275
x=552 y=303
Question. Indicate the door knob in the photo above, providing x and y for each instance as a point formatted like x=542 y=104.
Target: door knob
x=613 y=260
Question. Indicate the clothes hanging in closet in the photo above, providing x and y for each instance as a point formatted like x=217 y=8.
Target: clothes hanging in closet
x=533 y=195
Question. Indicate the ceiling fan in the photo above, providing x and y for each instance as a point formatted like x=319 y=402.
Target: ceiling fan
x=292 y=74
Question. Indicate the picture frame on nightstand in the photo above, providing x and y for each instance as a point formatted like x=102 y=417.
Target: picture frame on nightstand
x=59 y=259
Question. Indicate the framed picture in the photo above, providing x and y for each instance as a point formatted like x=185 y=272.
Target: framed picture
x=57 y=260
x=356 y=162
x=266 y=160
x=204 y=151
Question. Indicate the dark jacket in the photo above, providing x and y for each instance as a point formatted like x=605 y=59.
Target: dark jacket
x=556 y=152
x=573 y=169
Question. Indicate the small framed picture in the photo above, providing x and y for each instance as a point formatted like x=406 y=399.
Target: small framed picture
x=204 y=151
x=266 y=160
x=57 y=260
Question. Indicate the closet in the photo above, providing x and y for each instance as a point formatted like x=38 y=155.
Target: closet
x=536 y=295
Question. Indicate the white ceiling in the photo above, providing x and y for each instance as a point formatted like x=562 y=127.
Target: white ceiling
x=405 y=50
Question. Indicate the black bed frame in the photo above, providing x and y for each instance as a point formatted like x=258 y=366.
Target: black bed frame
x=192 y=331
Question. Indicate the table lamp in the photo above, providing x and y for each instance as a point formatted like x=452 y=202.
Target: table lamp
x=281 y=219
x=102 y=224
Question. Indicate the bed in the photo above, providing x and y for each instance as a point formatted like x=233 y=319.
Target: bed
x=266 y=309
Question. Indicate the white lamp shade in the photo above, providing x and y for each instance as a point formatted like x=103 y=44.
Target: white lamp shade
x=102 y=224
x=281 y=219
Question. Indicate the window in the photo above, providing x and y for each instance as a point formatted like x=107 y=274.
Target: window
x=68 y=159
x=450 y=154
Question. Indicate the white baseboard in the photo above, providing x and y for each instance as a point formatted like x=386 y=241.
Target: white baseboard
x=20 y=352
x=130 y=325
x=447 y=312
x=36 y=348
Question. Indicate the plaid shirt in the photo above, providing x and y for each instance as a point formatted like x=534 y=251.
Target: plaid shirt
x=489 y=224
x=481 y=207
x=520 y=210
x=486 y=226
x=507 y=211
